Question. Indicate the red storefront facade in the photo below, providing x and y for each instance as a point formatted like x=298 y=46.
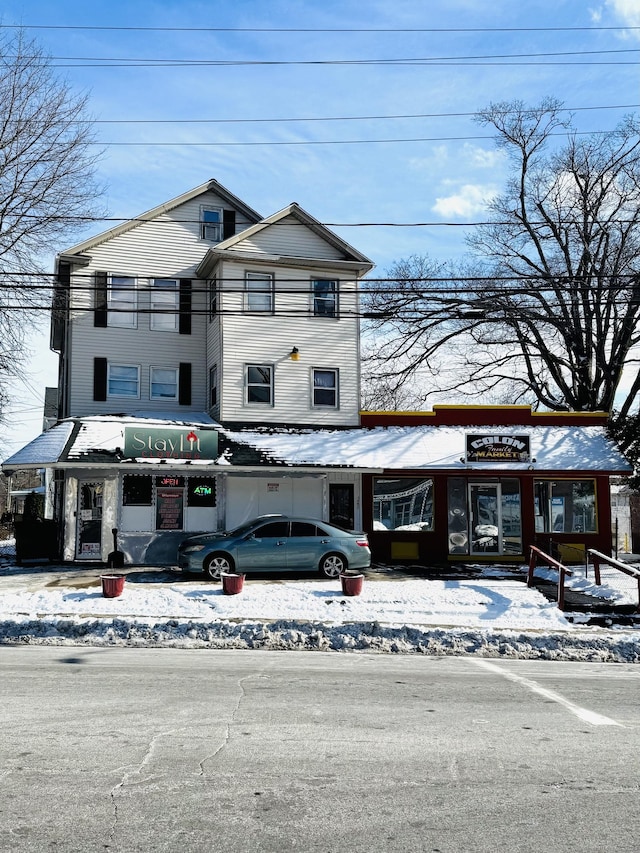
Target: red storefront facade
x=495 y=480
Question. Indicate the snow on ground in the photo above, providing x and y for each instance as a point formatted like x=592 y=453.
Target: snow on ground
x=490 y=615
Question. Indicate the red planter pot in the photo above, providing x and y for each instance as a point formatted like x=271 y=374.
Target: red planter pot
x=232 y=583
x=351 y=584
x=112 y=585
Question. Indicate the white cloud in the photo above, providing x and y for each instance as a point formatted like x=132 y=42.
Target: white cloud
x=470 y=199
x=627 y=10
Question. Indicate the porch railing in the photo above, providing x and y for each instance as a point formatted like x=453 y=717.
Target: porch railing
x=597 y=558
x=536 y=554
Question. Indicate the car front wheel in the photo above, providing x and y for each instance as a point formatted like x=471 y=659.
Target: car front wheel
x=216 y=564
x=332 y=565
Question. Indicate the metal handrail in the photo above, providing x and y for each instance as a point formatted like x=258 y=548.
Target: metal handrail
x=598 y=557
x=534 y=553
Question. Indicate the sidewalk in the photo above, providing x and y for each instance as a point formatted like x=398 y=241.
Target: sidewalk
x=486 y=611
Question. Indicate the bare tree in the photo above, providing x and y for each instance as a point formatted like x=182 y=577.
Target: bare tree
x=47 y=185
x=546 y=310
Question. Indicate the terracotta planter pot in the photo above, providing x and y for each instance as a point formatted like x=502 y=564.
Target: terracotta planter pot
x=351 y=583
x=112 y=585
x=232 y=583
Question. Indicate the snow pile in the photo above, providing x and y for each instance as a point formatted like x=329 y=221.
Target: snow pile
x=491 y=615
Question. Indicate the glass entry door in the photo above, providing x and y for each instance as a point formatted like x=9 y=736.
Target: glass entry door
x=495 y=520
x=89 y=527
x=485 y=518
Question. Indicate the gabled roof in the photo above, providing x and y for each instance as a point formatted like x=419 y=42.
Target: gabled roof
x=210 y=186
x=352 y=257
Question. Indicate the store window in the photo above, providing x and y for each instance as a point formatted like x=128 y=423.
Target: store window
x=565 y=506
x=403 y=503
x=136 y=490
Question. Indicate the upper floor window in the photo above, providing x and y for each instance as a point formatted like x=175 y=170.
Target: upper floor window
x=123 y=380
x=325 y=388
x=259 y=292
x=260 y=384
x=213 y=297
x=325 y=297
x=213 y=385
x=164 y=304
x=211 y=224
x=163 y=383
x=122 y=301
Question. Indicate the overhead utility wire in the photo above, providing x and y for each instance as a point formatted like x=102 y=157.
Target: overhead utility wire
x=371 y=224
x=300 y=142
x=319 y=29
x=152 y=62
x=396 y=63
x=319 y=118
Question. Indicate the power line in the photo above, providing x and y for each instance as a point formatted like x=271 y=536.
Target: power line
x=319 y=29
x=416 y=60
x=328 y=118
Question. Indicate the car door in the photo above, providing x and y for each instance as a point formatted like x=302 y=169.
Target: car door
x=307 y=544
x=265 y=549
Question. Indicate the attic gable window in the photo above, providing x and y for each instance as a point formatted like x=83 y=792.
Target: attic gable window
x=211 y=224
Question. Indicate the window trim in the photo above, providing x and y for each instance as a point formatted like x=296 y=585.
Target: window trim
x=213 y=386
x=336 y=388
x=110 y=395
x=317 y=300
x=153 y=304
x=153 y=396
x=212 y=301
x=252 y=275
x=249 y=385
x=113 y=314
x=204 y=209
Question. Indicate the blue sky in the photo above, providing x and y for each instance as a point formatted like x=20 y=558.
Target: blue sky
x=224 y=119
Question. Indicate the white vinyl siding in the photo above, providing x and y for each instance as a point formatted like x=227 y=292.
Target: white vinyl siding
x=289 y=237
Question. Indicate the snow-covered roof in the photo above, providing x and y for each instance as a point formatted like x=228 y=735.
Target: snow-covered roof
x=553 y=448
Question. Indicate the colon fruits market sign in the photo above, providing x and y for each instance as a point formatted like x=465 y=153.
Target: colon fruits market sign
x=187 y=443
x=498 y=448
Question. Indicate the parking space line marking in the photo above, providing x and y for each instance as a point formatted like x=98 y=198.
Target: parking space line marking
x=582 y=713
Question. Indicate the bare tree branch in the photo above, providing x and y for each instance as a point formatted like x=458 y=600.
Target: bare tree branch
x=549 y=302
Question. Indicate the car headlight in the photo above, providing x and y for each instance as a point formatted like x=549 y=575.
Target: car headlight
x=191 y=549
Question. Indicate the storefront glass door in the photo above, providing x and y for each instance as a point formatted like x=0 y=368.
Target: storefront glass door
x=485 y=518
x=89 y=526
x=495 y=518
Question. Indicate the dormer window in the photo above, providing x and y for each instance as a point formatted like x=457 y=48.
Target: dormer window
x=211 y=224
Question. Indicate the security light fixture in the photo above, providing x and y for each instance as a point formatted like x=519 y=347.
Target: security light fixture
x=294 y=355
